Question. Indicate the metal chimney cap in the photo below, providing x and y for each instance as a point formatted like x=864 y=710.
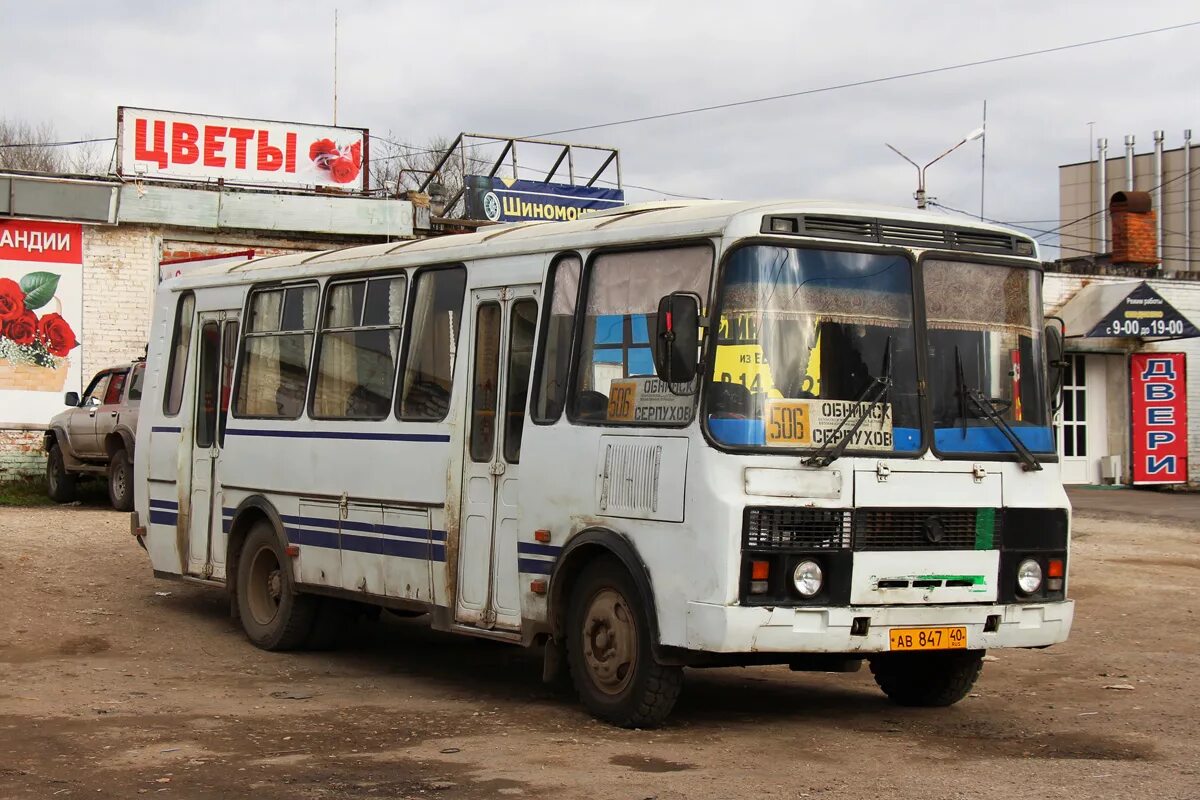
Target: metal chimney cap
x=1134 y=202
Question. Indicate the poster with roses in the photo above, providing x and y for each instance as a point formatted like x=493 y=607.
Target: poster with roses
x=41 y=316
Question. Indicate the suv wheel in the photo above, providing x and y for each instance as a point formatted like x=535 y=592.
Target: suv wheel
x=60 y=484
x=120 y=481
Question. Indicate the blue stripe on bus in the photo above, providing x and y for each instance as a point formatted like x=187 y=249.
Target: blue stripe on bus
x=537 y=549
x=356 y=435
x=167 y=504
x=163 y=517
x=535 y=566
x=165 y=429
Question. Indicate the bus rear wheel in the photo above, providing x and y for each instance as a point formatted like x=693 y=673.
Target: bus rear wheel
x=609 y=651
x=274 y=615
x=927 y=680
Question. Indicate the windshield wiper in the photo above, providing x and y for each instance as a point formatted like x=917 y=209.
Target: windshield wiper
x=878 y=390
x=986 y=409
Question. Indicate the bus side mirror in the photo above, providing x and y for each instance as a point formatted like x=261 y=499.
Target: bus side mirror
x=1055 y=363
x=677 y=338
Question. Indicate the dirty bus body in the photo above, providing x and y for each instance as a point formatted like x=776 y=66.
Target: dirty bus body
x=661 y=436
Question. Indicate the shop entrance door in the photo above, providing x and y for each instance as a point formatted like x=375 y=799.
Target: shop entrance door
x=1083 y=419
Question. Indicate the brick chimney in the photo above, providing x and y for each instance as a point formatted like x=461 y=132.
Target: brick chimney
x=1134 y=241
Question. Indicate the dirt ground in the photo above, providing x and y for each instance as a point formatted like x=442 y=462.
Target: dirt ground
x=114 y=684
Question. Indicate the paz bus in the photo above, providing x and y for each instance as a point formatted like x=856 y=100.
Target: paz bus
x=661 y=436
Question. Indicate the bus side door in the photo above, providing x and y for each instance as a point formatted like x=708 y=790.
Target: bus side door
x=214 y=376
x=501 y=360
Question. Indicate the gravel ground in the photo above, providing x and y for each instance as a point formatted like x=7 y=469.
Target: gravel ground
x=114 y=684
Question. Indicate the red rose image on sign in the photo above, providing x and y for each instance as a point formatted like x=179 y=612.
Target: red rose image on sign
x=12 y=300
x=21 y=329
x=56 y=334
x=342 y=164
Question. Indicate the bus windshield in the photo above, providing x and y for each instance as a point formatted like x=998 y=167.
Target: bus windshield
x=985 y=354
x=812 y=344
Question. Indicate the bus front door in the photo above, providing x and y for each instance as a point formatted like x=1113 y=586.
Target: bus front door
x=501 y=358
x=214 y=376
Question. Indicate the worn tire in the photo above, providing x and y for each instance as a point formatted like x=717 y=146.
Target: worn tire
x=927 y=680
x=274 y=615
x=647 y=690
x=60 y=484
x=120 y=481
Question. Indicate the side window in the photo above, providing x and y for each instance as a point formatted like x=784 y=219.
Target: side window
x=521 y=326
x=486 y=382
x=357 y=348
x=95 y=393
x=116 y=385
x=432 y=344
x=135 y=385
x=208 y=392
x=180 y=341
x=615 y=379
x=273 y=376
x=554 y=361
x=228 y=354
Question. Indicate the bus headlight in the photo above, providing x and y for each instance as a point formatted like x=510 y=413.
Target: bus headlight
x=808 y=578
x=1029 y=576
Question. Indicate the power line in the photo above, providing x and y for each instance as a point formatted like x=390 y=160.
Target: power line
x=870 y=81
x=59 y=144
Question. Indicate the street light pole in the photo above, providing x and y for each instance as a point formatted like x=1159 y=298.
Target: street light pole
x=920 y=195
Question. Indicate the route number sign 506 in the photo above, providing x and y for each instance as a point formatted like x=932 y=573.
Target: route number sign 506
x=788 y=424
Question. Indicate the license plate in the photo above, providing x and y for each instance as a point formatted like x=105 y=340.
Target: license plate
x=953 y=638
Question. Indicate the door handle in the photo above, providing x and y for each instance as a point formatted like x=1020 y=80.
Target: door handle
x=497 y=468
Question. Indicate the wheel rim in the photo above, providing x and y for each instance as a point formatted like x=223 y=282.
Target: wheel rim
x=265 y=589
x=119 y=481
x=52 y=475
x=610 y=645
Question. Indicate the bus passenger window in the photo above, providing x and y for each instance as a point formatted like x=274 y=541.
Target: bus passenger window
x=206 y=396
x=522 y=325
x=275 y=353
x=615 y=380
x=181 y=339
x=555 y=361
x=432 y=343
x=486 y=382
x=357 y=349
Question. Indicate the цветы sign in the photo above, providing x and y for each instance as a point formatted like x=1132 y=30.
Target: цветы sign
x=198 y=147
x=1159 y=409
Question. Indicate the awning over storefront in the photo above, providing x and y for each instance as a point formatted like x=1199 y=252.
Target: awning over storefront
x=1128 y=310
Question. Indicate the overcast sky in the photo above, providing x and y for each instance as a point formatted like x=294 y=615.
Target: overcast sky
x=421 y=69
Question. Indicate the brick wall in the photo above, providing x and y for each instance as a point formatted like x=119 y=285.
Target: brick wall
x=21 y=454
x=120 y=272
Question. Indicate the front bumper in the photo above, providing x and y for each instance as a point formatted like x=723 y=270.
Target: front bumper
x=744 y=629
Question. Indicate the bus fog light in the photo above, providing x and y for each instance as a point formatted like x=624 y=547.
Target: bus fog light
x=808 y=578
x=1029 y=576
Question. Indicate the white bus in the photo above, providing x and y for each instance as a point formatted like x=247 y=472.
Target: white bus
x=663 y=436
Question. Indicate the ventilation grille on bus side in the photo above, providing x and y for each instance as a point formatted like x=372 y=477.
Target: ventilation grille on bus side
x=898 y=232
x=630 y=477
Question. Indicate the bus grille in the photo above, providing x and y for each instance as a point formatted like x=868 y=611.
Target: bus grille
x=917 y=529
x=779 y=528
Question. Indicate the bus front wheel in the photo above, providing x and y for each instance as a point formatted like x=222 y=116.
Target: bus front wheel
x=274 y=615
x=609 y=650
x=929 y=680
